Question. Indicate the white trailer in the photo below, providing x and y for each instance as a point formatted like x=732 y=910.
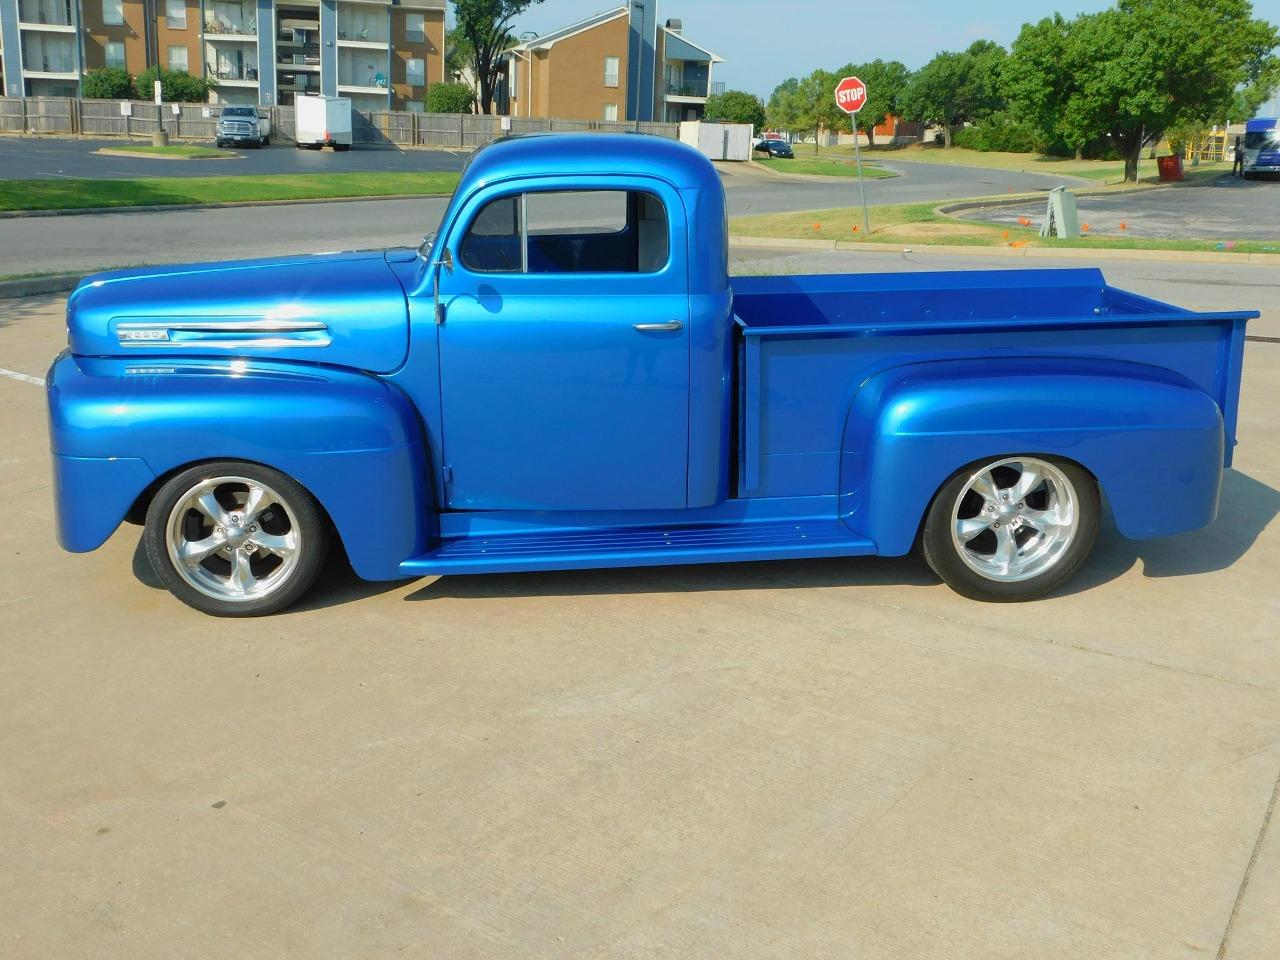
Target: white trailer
x=322 y=121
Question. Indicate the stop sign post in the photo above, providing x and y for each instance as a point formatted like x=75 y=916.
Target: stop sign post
x=851 y=96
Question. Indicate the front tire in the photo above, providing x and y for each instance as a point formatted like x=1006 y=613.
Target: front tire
x=1012 y=529
x=235 y=539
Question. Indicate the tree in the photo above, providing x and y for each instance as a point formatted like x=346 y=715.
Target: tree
x=1037 y=81
x=458 y=54
x=935 y=94
x=736 y=106
x=783 y=110
x=486 y=26
x=176 y=86
x=106 y=83
x=1144 y=67
x=886 y=83
x=450 y=98
x=816 y=110
x=956 y=88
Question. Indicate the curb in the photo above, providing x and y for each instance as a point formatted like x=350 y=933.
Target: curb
x=976 y=250
x=161 y=207
x=133 y=154
x=38 y=286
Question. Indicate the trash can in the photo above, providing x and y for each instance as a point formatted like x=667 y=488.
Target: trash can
x=1170 y=168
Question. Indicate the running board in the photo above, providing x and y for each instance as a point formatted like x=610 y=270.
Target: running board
x=639 y=547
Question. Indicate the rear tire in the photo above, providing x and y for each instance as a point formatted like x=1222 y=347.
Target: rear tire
x=1012 y=529
x=235 y=539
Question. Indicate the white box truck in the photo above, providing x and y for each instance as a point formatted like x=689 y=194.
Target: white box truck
x=322 y=121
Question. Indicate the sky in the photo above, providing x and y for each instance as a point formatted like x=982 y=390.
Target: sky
x=766 y=41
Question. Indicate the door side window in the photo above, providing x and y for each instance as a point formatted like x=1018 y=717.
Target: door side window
x=578 y=231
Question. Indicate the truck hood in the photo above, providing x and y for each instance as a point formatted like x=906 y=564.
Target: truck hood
x=342 y=309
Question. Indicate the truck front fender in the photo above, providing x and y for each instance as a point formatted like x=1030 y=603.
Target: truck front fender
x=1153 y=439
x=119 y=426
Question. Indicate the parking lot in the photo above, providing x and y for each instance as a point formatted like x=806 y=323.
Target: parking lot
x=808 y=759
x=1227 y=208
x=35 y=158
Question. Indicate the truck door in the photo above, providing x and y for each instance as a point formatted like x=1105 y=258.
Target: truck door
x=564 y=351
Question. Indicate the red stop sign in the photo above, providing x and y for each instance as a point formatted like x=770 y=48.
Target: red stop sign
x=851 y=94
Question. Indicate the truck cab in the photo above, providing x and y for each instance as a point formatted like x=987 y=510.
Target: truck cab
x=565 y=376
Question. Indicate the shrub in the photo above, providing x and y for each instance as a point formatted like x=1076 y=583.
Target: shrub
x=107 y=83
x=176 y=86
x=1001 y=132
x=735 y=106
x=450 y=98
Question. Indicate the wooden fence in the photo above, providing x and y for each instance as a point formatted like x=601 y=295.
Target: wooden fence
x=197 y=121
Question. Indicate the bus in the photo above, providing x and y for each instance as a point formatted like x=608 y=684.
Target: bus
x=1261 y=146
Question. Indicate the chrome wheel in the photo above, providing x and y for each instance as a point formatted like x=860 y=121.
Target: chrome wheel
x=1014 y=519
x=233 y=538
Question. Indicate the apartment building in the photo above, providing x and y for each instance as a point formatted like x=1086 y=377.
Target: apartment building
x=616 y=65
x=380 y=53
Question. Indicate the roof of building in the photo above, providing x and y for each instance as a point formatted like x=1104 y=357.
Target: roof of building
x=571 y=154
x=549 y=40
x=679 y=47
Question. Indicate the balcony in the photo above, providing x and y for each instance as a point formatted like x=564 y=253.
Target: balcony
x=50 y=57
x=358 y=25
x=234 y=75
x=689 y=89
x=225 y=28
x=50 y=15
x=299 y=57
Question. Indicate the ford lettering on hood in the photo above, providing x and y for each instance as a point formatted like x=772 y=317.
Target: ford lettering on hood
x=343 y=309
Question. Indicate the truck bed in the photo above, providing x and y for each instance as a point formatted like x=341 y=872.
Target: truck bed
x=807 y=343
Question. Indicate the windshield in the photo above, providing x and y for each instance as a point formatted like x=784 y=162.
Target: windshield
x=1262 y=140
x=239 y=112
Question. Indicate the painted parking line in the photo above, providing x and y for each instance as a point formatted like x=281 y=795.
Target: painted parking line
x=22 y=377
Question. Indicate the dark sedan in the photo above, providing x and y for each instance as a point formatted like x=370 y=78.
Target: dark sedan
x=775 y=148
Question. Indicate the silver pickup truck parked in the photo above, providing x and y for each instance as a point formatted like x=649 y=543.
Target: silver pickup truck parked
x=242 y=125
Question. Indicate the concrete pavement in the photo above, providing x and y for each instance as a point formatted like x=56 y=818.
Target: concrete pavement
x=1229 y=208
x=818 y=759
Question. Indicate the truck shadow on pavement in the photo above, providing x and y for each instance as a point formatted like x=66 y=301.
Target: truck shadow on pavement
x=1247 y=507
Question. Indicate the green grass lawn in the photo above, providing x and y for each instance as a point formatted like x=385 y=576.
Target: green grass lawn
x=175 y=150
x=162 y=191
x=918 y=223
x=809 y=167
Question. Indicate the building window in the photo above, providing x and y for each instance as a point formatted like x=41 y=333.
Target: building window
x=115 y=53
x=178 y=58
x=513 y=77
x=611 y=111
x=112 y=13
x=415 y=27
x=610 y=71
x=175 y=17
x=415 y=71
x=415 y=106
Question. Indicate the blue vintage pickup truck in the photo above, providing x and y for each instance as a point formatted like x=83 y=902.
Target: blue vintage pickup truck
x=566 y=376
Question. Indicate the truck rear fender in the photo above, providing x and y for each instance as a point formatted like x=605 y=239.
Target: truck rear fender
x=1152 y=438
x=121 y=427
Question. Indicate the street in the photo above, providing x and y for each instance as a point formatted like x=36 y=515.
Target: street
x=819 y=758
x=87 y=242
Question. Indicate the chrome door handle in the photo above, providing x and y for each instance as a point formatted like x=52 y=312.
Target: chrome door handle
x=669 y=325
